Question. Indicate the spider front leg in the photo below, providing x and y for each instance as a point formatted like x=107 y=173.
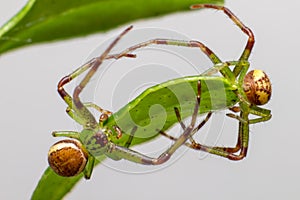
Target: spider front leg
x=207 y=51
x=251 y=40
x=75 y=105
x=226 y=72
x=194 y=44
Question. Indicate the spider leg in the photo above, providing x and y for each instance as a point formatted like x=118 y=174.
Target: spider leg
x=75 y=104
x=251 y=40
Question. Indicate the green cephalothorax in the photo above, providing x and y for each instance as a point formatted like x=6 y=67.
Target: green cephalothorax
x=160 y=107
x=94 y=142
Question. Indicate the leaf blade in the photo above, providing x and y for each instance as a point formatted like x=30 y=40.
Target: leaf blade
x=53 y=187
x=43 y=20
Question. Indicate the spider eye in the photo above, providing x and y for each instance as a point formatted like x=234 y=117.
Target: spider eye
x=67 y=158
x=257 y=87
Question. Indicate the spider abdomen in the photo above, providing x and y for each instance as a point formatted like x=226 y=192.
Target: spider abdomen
x=257 y=87
x=67 y=158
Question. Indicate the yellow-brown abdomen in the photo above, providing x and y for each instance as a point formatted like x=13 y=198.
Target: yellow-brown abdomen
x=257 y=87
x=67 y=158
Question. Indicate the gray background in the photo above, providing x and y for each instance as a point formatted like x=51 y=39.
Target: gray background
x=31 y=110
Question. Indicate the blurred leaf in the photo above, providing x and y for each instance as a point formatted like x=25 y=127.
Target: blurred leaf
x=48 y=20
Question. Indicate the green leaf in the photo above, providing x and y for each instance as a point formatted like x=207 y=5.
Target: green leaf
x=52 y=186
x=48 y=20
